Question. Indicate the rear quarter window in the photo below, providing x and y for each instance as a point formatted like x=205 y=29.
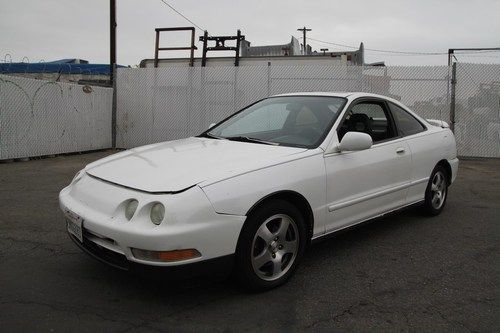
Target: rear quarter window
x=406 y=123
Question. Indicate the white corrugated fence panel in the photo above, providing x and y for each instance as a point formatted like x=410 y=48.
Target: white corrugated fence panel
x=40 y=117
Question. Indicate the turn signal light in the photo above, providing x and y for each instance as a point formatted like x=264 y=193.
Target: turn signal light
x=166 y=256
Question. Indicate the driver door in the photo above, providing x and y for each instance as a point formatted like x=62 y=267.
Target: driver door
x=364 y=184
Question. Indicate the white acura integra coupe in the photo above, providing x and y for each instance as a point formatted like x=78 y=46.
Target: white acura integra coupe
x=255 y=189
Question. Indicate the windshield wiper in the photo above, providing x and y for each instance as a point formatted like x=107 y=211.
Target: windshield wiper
x=248 y=139
x=210 y=135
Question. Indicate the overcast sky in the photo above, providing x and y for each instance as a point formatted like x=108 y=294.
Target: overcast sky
x=55 y=29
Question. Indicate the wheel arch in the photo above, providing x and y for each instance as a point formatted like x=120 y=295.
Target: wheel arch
x=446 y=165
x=296 y=199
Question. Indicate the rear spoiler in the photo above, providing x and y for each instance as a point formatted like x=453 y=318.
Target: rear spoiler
x=439 y=123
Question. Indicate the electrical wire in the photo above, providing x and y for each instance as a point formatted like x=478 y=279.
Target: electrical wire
x=379 y=50
x=183 y=16
x=407 y=53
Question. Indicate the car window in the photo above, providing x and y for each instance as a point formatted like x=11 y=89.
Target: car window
x=370 y=118
x=268 y=118
x=305 y=117
x=406 y=123
x=374 y=111
x=298 y=121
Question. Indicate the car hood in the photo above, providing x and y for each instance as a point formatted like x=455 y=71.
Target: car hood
x=176 y=165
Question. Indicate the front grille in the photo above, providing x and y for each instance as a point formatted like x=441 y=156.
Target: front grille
x=101 y=253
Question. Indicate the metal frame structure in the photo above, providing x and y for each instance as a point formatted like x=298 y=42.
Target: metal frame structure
x=220 y=45
x=191 y=48
x=452 y=51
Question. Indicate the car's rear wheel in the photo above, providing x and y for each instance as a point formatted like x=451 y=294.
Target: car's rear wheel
x=437 y=191
x=271 y=245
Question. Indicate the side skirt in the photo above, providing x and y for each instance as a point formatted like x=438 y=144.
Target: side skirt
x=329 y=234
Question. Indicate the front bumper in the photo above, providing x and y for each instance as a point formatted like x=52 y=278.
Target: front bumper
x=215 y=267
x=190 y=223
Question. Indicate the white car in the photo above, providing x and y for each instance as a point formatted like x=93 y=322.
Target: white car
x=252 y=192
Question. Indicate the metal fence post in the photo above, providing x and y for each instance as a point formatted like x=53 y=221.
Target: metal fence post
x=112 y=67
x=113 y=109
x=452 y=99
x=268 y=78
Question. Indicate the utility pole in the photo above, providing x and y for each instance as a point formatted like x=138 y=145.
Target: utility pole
x=112 y=66
x=304 y=29
x=112 y=38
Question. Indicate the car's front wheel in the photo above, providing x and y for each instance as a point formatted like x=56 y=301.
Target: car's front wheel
x=271 y=245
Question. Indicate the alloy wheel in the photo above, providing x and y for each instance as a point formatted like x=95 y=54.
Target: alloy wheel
x=275 y=247
x=438 y=190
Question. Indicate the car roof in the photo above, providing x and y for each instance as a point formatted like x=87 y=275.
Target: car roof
x=316 y=93
x=333 y=94
x=352 y=96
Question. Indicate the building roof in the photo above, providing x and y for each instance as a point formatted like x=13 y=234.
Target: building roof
x=290 y=49
x=64 y=66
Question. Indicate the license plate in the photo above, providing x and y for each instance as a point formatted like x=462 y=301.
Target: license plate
x=74 y=225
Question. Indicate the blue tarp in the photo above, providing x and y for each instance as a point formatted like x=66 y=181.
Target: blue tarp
x=64 y=66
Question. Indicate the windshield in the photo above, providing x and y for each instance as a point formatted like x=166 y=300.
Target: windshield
x=298 y=121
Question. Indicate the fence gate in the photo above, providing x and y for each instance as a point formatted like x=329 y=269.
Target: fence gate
x=477 y=110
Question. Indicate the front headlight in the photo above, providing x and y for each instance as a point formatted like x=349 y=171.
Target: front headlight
x=130 y=208
x=157 y=213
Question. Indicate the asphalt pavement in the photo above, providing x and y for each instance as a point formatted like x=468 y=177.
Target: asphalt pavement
x=403 y=272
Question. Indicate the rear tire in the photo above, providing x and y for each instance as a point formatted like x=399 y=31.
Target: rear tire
x=436 y=192
x=270 y=246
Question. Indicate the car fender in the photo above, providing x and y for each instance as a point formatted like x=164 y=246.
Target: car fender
x=306 y=176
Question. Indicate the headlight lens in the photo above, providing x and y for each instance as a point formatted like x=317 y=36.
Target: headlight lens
x=130 y=208
x=157 y=213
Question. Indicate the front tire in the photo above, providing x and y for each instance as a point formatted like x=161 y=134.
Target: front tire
x=436 y=192
x=271 y=245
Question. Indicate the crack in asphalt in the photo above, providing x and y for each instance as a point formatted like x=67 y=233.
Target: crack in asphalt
x=346 y=311
x=450 y=321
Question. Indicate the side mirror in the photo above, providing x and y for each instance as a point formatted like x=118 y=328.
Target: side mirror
x=211 y=125
x=353 y=141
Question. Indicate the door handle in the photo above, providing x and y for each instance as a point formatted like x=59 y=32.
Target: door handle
x=400 y=150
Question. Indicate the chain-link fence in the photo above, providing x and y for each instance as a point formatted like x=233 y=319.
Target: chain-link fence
x=158 y=104
x=40 y=117
x=477 y=115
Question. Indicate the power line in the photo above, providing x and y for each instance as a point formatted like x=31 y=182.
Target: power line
x=403 y=55
x=184 y=16
x=379 y=50
x=409 y=53
x=370 y=50
x=330 y=43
